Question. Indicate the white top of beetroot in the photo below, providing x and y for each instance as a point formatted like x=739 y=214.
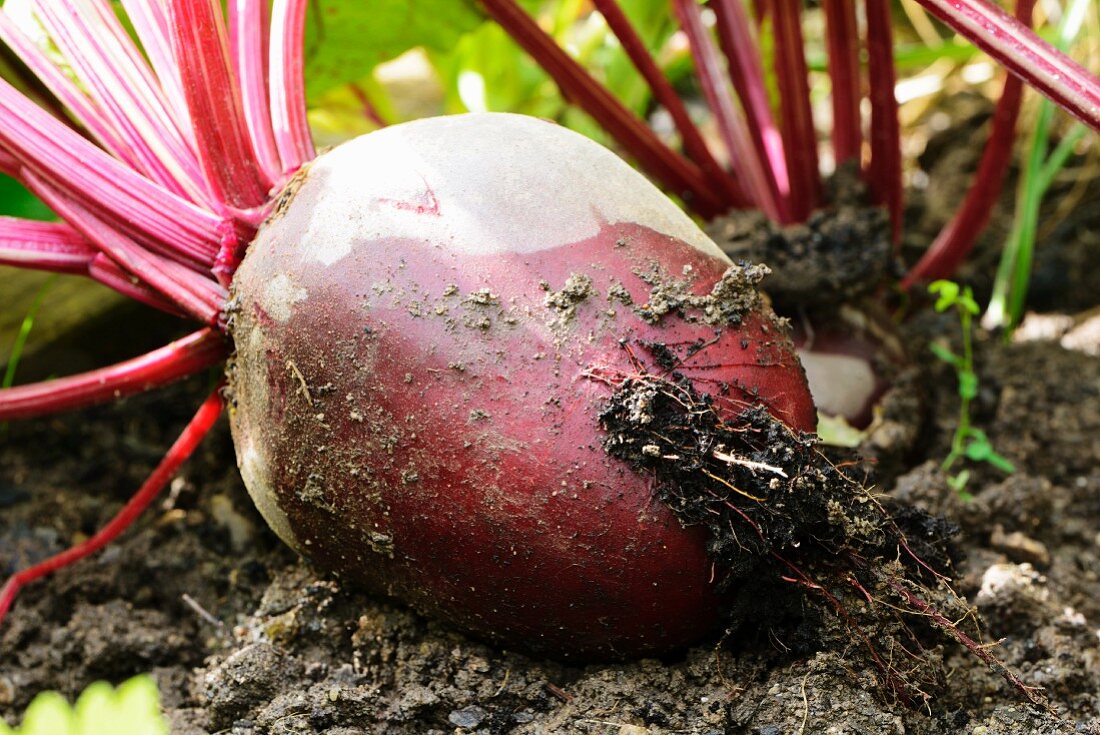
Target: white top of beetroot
x=480 y=183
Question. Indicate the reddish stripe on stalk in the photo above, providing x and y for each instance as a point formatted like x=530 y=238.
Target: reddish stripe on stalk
x=44 y=145
x=370 y=110
x=288 y=91
x=884 y=171
x=196 y=295
x=669 y=168
x=249 y=24
x=47 y=246
x=184 y=446
x=192 y=354
x=758 y=185
x=1026 y=55
x=214 y=100
x=842 y=41
x=739 y=44
x=799 y=135
x=692 y=140
x=9 y=166
x=957 y=239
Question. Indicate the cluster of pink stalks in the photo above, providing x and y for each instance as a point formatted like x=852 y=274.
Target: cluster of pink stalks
x=163 y=159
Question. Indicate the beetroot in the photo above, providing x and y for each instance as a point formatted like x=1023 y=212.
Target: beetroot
x=425 y=329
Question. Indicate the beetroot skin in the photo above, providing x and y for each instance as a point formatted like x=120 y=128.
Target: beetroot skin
x=425 y=329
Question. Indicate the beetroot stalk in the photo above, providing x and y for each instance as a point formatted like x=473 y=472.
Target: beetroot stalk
x=151 y=23
x=64 y=90
x=249 y=23
x=742 y=52
x=175 y=361
x=47 y=246
x=799 y=135
x=884 y=174
x=672 y=170
x=183 y=448
x=842 y=40
x=107 y=272
x=194 y=293
x=287 y=86
x=118 y=80
x=957 y=239
x=119 y=195
x=1013 y=44
x=214 y=100
x=691 y=139
x=761 y=188
x=56 y=247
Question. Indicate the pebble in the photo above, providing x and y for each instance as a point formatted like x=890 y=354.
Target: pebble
x=468 y=717
x=1020 y=548
x=7 y=691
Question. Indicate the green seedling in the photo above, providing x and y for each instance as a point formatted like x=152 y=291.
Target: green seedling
x=1040 y=168
x=968 y=442
x=133 y=708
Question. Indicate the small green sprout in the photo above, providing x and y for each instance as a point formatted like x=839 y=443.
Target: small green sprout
x=133 y=709
x=968 y=442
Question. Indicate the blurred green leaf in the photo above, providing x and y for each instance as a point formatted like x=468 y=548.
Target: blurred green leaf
x=345 y=39
x=131 y=709
x=945 y=354
x=947 y=293
x=16 y=201
x=486 y=70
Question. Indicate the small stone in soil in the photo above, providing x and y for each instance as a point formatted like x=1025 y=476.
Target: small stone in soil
x=467 y=717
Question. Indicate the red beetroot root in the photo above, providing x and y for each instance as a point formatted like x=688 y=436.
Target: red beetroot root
x=421 y=329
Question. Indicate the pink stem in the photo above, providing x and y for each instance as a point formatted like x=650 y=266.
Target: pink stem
x=198 y=296
x=671 y=170
x=288 y=92
x=104 y=270
x=150 y=21
x=184 y=446
x=214 y=100
x=799 y=135
x=692 y=140
x=43 y=144
x=57 y=247
x=884 y=174
x=957 y=239
x=758 y=186
x=117 y=77
x=739 y=44
x=65 y=90
x=249 y=25
x=47 y=246
x=842 y=40
x=1013 y=44
x=192 y=354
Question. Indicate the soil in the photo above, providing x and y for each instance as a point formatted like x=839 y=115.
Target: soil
x=244 y=638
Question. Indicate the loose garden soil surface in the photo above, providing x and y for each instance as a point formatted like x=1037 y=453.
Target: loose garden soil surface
x=244 y=638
